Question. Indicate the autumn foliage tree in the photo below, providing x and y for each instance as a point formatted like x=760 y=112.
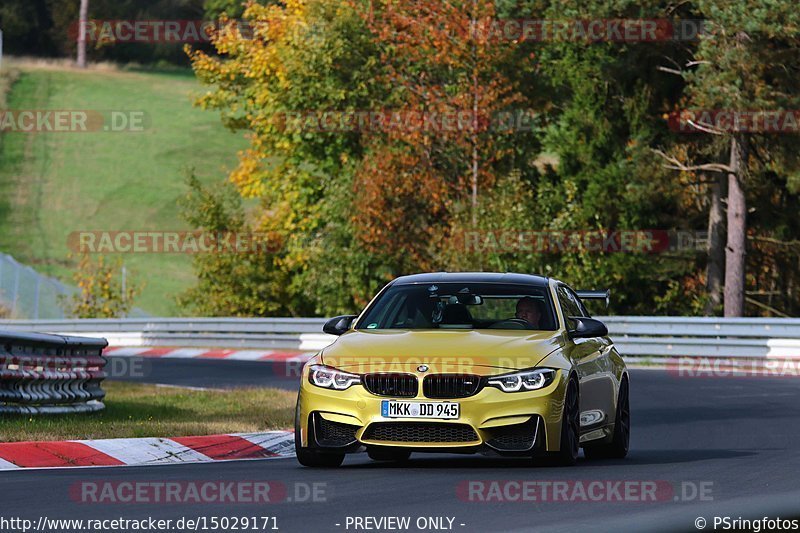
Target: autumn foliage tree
x=232 y=282
x=381 y=130
x=447 y=87
x=303 y=57
x=102 y=292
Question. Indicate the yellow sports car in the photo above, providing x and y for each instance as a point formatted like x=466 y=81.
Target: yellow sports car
x=509 y=364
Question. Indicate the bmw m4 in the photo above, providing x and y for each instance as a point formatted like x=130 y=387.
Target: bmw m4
x=506 y=364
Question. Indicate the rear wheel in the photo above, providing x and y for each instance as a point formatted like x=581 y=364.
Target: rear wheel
x=311 y=457
x=618 y=447
x=570 y=428
x=388 y=454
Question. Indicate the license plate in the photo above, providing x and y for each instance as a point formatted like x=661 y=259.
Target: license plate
x=442 y=410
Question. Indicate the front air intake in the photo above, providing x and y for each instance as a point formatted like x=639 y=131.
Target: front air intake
x=420 y=432
x=394 y=385
x=445 y=386
x=333 y=434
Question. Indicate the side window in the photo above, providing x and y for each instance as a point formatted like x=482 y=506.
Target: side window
x=569 y=305
x=579 y=303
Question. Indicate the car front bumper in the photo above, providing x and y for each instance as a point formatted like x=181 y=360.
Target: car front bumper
x=506 y=423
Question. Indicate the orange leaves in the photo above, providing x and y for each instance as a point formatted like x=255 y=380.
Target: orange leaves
x=401 y=203
x=102 y=293
x=312 y=65
x=437 y=64
x=445 y=31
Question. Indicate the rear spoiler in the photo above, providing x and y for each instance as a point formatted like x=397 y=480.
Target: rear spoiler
x=595 y=295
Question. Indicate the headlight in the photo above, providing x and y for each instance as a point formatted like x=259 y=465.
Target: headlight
x=330 y=378
x=523 y=381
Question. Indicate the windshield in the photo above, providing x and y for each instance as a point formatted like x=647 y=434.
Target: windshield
x=461 y=306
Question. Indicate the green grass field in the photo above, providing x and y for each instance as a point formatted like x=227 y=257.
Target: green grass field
x=134 y=410
x=52 y=184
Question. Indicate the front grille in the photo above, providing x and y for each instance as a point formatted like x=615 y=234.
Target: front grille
x=333 y=434
x=450 y=385
x=519 y=437
x=397 y=385
x=420 y=432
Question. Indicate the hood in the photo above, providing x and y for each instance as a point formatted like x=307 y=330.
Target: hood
x=481 y=352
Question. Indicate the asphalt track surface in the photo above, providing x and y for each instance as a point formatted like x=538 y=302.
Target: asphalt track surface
x=737 y=439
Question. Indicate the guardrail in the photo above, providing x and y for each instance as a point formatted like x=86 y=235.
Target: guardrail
x=50 y=374
x=277 y=333
x=634 y=336
x=706 y=337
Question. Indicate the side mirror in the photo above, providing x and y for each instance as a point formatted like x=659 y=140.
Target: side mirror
x=338 y=325
x=586 y=328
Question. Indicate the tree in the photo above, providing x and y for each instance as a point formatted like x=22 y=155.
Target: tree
x=101 y=293
x=745 y=62
x=82 y=29
x=715 y=268
x=214 y=9
x=444 y=66
x=233 y=283
x=357 y=206
x=305 y=58
x=602 y=107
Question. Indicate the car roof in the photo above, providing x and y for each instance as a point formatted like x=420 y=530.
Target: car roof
x=473 y=277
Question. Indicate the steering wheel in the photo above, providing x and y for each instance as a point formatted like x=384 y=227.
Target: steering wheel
x=516 y=323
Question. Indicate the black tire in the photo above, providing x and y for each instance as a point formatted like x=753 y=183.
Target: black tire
x=317 y=459
x=620 y=442
x=570 y=429
x=309 y=456
x=388 y=454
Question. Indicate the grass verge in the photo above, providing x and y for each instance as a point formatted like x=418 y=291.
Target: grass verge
x=135 y=410
x=7 y=79
x=53 y=184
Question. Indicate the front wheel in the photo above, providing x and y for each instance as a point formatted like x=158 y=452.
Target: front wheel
x=316 y=459
x=567 y=455
x=620 y=442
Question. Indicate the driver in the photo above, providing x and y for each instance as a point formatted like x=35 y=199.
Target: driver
x=530 y=310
